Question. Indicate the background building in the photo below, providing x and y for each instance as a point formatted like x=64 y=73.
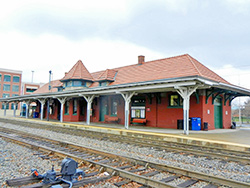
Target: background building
x=10 y=85
x=28 y=88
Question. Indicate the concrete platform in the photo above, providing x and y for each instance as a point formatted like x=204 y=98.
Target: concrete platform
x=233 y=139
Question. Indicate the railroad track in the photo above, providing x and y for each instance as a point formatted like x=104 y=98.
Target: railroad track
x=187 y=149
x=129 y=169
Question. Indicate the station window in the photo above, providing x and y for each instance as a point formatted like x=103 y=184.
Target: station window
x=74 y=106
x=16 y=79
x=66 y=107
x=15 y=88
x=138 y=112
x=60 y=89
x=7 y=78
x=5 y=105
x=14 y=95
x=77 y=83
x=138 y=107
x=114 y=107
x=175 y=100
x=0 y=77
x=103 y=83
x=68 y=84
x=13 y=105
x=6 y=87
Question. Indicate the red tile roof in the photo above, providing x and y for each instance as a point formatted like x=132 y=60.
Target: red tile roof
x=108 y=74
x=78 y=71
x=45 y=87
x=173 y=67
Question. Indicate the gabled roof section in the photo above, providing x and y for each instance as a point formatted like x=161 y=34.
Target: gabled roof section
x=45 y=88
x=174 y=67
x=206 y=72
x=78 y=71
x=107 y=75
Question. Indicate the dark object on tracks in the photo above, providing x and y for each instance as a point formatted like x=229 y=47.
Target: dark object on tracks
x=69 y=174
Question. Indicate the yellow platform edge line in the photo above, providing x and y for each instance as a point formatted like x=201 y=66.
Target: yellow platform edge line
x=134 y=131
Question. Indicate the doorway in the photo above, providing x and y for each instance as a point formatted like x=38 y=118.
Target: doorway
x=218 y=124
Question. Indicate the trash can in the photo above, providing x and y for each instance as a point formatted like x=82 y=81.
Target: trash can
x=35 y=115
x=196 y=124
x=205 y=126
x=180 y=124
x=190 y=123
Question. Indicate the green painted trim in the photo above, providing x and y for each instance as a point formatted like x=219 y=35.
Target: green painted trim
x=175 y=107
x=215 y=96
x=66 y=113
x=197 y=97
x=149 y=96
x=226 y=98
x=230 y=101
x=208 y=95
x=158 y=98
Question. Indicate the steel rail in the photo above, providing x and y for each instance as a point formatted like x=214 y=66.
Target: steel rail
x=198 y=150
x=110 y=169
x=129 y=136
x=192 y=174
x=228 y=157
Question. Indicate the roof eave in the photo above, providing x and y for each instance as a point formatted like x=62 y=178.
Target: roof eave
x=138 y=86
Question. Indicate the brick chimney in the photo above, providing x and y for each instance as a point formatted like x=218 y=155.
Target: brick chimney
x=141 y=59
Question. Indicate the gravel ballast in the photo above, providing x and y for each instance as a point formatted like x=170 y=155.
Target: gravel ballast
x=229 y=170
x=17 y=161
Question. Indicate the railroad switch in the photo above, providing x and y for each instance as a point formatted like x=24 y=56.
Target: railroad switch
x=69 y=174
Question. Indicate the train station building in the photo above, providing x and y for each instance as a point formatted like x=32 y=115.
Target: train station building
x=176 y=92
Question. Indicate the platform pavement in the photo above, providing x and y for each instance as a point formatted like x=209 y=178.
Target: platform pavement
x=234 y=139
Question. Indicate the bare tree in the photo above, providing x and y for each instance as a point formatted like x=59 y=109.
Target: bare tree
x=246 y=109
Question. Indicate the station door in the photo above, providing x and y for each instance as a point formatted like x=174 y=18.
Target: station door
x=103 y=107
x=218 y=113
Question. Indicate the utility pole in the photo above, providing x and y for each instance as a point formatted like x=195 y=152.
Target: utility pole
x=240 y=114
x=48 y=98
x=240 y=108
x=32 y=76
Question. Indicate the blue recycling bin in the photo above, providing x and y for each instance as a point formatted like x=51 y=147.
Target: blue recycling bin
x=196 y=124
x=35 y=115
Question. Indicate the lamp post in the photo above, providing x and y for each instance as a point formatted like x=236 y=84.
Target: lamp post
x=48 y=98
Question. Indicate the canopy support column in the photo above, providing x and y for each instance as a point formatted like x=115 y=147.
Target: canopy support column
x=89 y=99
x=42 y=102
x=14 y=110
x=185 y=93
x=62 y=101
x=27 y=109
x=5 y=107
x=127 y=98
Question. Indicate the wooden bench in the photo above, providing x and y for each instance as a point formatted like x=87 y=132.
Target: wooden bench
x=108 y=118
x=139 y=121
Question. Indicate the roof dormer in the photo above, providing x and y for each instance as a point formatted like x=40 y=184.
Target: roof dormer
x=77 y=77
x=107 y=77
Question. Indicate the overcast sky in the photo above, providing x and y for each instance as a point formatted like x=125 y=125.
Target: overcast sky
x=45 y=35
